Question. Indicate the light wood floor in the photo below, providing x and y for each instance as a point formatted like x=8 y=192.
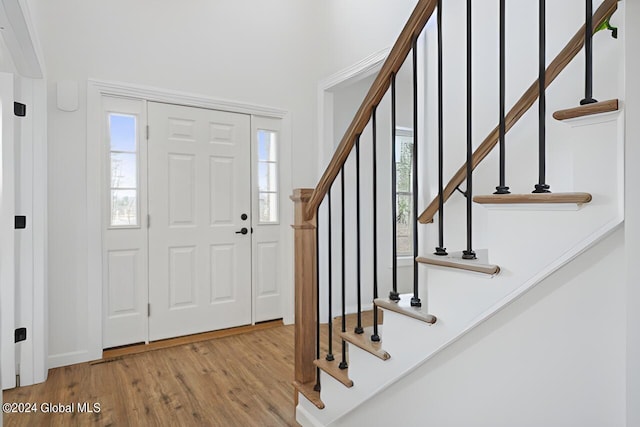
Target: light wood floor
x=241 y=380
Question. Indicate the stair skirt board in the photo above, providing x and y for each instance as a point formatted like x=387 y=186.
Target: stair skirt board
x=404 y=307
x=454 y=260
x=538 y=198
x=364 y=342
x=332 y=368
x=308 y=391
x=305 y=418
x=587 y=110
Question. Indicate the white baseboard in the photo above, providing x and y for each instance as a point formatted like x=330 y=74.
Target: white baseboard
x=305 y=419
x=72 y=358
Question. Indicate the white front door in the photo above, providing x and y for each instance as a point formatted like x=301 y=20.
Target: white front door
x=199 y=204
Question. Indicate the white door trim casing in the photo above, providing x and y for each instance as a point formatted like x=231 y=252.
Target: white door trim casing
x=95 y=90
x=326 y=87
x=24 y=296
x=31 y=242
x=7 y=211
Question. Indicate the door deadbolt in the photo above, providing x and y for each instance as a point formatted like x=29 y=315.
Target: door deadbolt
x=244 y=217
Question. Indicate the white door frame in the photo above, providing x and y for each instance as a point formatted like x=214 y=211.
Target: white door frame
x=327 y=105
x=98 y=88
x=350 y=75
x=7 y=249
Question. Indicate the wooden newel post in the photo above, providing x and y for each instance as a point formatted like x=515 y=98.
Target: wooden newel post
x=305 y=288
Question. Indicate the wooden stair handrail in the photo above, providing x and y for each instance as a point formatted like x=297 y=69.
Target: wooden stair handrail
x=418 y=19
x=525 y=102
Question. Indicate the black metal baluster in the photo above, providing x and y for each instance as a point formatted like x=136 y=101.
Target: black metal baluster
x=394 y=295
x=502 y=188
x=343 y=362
x=541 y=186
x=375 y=337
x=469 y=253
x=440 y=250
x=415 y=300
x=358 y=329
x=316 y=387
x=588 y=52
x=329 y=356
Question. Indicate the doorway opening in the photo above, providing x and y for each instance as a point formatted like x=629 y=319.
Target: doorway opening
x=192 y=224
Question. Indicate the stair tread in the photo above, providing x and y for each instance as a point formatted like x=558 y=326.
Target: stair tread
x=454 y=260
x=352 y=319
x=331 y=368
x=308 y=391
x=587 y=110
x=364 y=342
x=404 y=307
x=531 y=198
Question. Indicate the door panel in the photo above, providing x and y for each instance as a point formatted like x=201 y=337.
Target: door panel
x=122 y=281
x=199 y=187
x=182 y=185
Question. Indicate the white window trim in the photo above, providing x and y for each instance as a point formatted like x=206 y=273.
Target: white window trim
x=404 y=260
x=257 y=179
x=109 y=188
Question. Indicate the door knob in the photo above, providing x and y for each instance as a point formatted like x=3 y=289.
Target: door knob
x=243 y=230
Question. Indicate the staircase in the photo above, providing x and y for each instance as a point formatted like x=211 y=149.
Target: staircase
x=475 y=252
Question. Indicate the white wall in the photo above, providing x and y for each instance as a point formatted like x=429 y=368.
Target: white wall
x=242 y=51
x=554 y=357
x=6 y=63
x=267 y=53
x=631 y=34
x=354 y=29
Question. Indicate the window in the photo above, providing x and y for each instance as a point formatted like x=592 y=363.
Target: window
x=405 y=216
x=268 y=176
x=123 y=151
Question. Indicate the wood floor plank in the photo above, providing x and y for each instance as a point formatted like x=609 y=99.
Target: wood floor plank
x=188 y=339
x=241 y=380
